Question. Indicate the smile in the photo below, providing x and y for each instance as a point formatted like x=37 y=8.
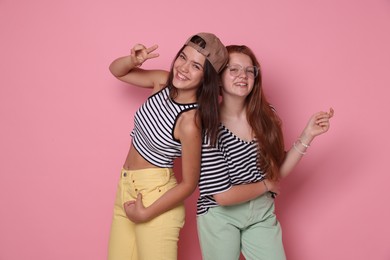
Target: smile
x=180 y=76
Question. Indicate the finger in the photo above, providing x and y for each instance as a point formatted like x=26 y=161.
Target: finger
x=139 y=47
x=136 y=49
x=324 y=127
x=151 y=49
x=322 y=120
x=139 y=198
x=128 y=205
x=130 y=202
x=152 y=55
x=331 y=112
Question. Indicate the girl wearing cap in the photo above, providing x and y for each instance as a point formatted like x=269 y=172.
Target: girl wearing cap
x=241 y=171
x=240 y=174
x=149 y=211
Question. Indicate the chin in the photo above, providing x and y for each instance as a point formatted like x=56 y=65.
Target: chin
x=179 y=84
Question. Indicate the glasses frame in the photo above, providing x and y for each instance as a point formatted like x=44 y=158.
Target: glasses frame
x=241 y=68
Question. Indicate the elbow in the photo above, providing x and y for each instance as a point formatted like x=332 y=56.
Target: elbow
x=110 y=68
x=188 y=190
x=114 y=70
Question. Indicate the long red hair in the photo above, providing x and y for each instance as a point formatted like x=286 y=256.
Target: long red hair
x=264 y=121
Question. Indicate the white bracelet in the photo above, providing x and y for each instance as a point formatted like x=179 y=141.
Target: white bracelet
x=296 y=148
x=302 y=143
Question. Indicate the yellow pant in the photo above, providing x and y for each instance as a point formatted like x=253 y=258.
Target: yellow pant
x=153 y=240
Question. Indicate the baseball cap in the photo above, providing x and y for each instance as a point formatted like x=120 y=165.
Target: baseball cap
x=214 y=51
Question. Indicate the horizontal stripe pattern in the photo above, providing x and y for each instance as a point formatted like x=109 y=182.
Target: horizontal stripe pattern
x=231 y=162
x=154 y=124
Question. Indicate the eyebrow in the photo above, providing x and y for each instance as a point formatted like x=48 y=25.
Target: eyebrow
x=249 y=66
x=182 y=52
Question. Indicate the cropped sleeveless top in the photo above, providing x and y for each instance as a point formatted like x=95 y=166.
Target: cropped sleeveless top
x=153 y=132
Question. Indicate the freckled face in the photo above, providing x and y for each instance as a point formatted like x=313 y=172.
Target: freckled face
x=188 y=69
x=240 y=85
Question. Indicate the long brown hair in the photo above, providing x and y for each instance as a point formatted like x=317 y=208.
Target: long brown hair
x=265 y=123
x=206 y=94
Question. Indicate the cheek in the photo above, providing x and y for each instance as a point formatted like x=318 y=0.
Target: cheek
x=226 y=79
x=198 y=76
x=178 y=62
x=251 y=86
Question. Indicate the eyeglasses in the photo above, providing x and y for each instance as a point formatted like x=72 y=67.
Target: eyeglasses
x=250 y=71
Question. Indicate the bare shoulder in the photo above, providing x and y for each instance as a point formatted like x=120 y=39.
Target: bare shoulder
x=188 y=125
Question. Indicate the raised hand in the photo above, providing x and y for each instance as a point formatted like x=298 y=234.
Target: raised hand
x=319 y=123
x=139 y=54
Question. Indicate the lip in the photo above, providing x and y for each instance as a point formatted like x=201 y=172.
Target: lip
x=180 y=76
x=241 y=84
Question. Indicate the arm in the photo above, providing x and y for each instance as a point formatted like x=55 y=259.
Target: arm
x=215 y=180
x=127 y=68
x=317 y=125
x=189 y=135
x=245 y=192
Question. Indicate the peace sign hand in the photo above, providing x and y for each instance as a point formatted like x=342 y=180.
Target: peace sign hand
x=139 y=54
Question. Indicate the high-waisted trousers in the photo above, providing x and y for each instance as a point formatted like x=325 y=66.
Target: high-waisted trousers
x=153 y=240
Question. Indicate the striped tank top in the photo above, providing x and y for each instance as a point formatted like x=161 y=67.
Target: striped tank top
x=154 y=124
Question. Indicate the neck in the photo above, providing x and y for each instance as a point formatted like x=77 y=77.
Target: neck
x=185 y=97
x=232 y=108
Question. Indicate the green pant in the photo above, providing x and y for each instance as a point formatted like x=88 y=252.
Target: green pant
x=250 y=228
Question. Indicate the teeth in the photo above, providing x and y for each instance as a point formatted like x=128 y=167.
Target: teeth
x=181 y=76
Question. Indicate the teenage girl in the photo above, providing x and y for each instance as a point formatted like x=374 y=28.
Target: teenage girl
x=183 y=107
x=240 y=174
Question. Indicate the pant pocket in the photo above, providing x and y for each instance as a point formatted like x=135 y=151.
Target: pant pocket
x=157 y=189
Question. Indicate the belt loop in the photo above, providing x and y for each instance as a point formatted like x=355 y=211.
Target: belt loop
x=167 y=175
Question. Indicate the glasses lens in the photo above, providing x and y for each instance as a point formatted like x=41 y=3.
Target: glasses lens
x=250 y=71
x=234 y=70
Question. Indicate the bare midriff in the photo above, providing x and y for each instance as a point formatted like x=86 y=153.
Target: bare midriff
x=134 y=161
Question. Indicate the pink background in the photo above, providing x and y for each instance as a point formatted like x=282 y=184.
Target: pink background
x=65 y=121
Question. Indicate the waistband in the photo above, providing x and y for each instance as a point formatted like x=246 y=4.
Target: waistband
x=147 y=173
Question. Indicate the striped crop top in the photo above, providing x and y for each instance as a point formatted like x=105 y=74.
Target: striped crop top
x=154 y=124
x=231 y=162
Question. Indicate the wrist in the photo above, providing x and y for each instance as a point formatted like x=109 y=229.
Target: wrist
x=133 y=63
x=302 y=144
x=306 y=138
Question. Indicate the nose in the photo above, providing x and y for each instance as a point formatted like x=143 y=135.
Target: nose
x=243 y=73
x=184 y=66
